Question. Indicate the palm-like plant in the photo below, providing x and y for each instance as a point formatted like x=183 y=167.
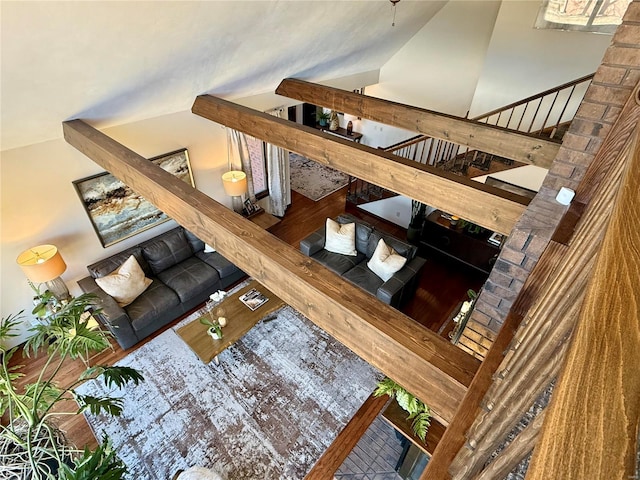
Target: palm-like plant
x=30 y=444
x=419 y=412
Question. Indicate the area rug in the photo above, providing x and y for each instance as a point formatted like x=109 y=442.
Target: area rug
x=277 y=400
x=313 y=180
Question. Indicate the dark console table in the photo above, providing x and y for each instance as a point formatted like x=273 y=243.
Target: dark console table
x=456 y=242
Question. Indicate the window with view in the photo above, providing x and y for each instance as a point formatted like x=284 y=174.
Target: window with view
x=601 y=16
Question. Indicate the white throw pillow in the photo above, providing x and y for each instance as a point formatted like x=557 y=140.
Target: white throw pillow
x=340 y=238
x=126 y=283
x=385 y=261
x=208 y=248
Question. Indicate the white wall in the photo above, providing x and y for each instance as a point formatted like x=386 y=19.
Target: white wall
x=437 y=69
x=522 y=61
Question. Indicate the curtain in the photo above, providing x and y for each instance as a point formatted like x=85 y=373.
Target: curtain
x=278 y=176
x=239 y=157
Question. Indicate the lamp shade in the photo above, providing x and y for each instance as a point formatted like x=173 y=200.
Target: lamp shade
x=42 y=263
x=235 y=183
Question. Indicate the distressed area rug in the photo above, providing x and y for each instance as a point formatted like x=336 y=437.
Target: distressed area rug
x=277 y=400
x=313 y=180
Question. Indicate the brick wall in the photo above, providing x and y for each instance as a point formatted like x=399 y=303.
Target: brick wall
x=613 y=83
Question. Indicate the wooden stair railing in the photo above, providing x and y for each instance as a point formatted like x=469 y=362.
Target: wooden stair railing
x=546 y=114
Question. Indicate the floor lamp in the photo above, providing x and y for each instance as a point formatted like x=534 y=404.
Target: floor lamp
x=44 y=264
x=235 y=185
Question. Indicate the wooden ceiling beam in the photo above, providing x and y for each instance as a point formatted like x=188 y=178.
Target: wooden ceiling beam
x=475 y=135
x=489 y=207
x=425 y=363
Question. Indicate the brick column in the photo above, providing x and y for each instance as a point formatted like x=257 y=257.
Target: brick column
x=613 y=83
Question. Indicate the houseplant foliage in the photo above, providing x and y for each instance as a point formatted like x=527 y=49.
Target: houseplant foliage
x=419 y=412
x=31 y=446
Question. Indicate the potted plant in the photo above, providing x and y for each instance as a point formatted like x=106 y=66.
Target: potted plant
x=322 y=117
x=31 y=444
x=419 y=412
x=215 y=329
x=418 y=210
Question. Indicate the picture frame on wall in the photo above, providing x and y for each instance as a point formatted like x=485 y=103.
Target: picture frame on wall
x=117 y=212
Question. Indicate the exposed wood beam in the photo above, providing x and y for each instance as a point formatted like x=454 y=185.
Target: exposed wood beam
x=486 y=138
x=489 y=207
x=425 y=363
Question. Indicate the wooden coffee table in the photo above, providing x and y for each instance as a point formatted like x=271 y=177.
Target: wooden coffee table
x=240 y=319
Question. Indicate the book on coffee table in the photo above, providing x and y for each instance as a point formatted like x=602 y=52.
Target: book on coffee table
x=253 y=299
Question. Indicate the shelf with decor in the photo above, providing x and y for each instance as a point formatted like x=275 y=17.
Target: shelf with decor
x=462 y=241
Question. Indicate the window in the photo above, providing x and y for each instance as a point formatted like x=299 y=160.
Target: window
x=602 y=16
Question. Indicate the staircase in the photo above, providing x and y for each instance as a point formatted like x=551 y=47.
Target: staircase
x=547 y=114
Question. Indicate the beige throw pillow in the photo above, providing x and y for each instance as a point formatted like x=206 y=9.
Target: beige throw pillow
x=340 y=238
x=125 y=283
x=385 y=261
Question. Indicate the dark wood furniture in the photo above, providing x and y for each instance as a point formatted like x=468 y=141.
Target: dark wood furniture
x=342 y=132
x=455 y=241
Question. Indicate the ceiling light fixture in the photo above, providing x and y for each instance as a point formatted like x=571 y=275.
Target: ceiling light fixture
x=393 y=6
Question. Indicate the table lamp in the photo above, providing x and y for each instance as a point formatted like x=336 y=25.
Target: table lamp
x=44 y=264
x=235 y=185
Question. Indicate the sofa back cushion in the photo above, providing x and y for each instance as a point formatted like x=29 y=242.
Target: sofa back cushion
x=106 y=266
x=196 y=244
x=402 y=248
x=166 y=250
x=363 y=231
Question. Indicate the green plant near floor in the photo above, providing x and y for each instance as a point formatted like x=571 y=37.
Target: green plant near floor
x=212 y=324
x=31 y=445
x=419 y=412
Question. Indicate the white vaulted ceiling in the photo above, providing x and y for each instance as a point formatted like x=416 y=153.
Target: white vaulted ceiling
x=114 y=62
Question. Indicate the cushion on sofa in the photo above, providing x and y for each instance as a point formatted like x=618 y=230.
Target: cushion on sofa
x=340 y=238
x=385 y=261
x=197 y=245
x=166 y=250
x=337 y=262
x=108 y=265
x=151 y=305
x=125 y=283
x=364 y=278
x=189 y=278
x=402 y=248
x=363 y=231
x=217 y=261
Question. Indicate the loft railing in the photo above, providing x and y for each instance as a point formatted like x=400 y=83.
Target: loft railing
x=546 y=114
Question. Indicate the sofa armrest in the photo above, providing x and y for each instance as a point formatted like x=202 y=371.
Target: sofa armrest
x=111 y=315
x=402 y=285
x=313 y=243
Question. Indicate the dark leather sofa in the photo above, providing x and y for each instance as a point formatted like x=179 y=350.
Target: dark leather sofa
x=183 y=277
x=395 y=291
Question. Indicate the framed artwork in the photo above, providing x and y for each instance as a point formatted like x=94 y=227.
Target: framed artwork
x=116 y=211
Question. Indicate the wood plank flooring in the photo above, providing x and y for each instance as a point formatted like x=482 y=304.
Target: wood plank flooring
x=443 y=285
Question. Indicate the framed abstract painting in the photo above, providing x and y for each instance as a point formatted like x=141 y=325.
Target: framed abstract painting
x=116 y=211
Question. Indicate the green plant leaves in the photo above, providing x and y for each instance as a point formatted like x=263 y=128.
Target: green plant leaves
x=418 y=411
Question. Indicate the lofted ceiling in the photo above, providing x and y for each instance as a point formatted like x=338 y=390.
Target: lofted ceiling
x=112 y=62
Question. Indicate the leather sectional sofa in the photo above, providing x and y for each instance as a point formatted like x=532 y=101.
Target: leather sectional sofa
x=183 y=276
x=397 y=290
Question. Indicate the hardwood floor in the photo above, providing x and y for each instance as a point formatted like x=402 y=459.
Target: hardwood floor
x=442 y=286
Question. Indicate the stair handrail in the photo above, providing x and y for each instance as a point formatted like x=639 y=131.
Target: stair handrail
x=572 y=83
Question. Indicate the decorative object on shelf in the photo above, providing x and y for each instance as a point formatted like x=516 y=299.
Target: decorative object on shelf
x=235 y=185
x=322 y=117
x=44 y=264
x=31 y=443
x=334 y=121
x=419 y=412
x=463 y=316
x=350 y=128
x=454 y=220
x=250 y=208
x=117 y=212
